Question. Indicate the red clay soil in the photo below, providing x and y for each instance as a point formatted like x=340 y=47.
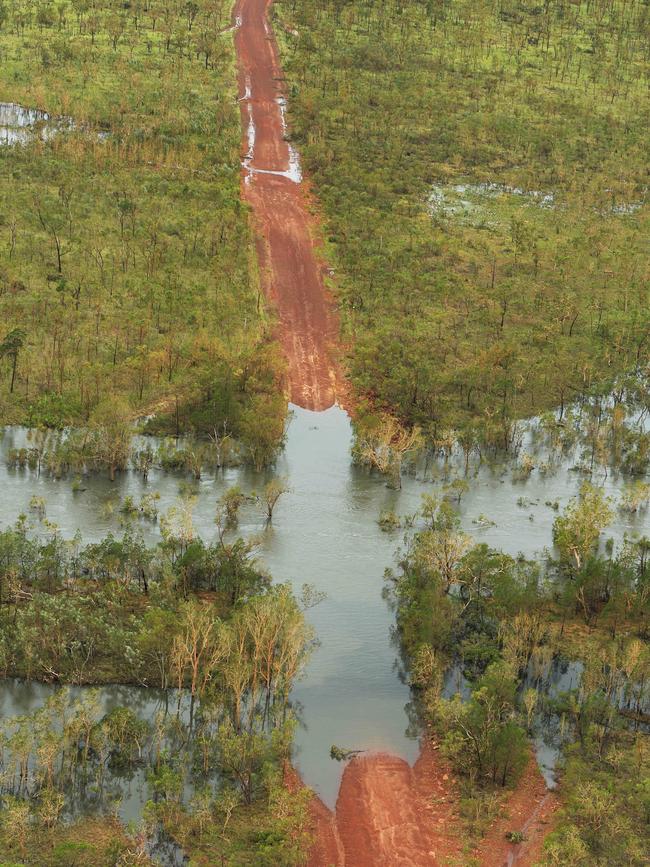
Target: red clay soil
x=272 y=184
x=388 y=813
x=530 y=809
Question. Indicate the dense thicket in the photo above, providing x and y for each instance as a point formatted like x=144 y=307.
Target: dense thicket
x=482 y=168
x=126 y=261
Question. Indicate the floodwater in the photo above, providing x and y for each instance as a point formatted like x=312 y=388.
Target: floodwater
x=325 y=532
x=21 y=125
x=126 y=788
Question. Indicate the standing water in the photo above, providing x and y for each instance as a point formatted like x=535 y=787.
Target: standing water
x=325 y=532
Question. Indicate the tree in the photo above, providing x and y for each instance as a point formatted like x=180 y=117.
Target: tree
x=155 y=643
x=482 y=737
x=273 y=490
x=198 y=648
x=11 y=345
x=111 y=430
x=442 y=551
x=577 y=532
x=384 y=442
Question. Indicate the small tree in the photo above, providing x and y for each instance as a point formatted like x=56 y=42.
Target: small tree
x=111 y=435
x=272 y=493
x=384 y=446
x=577 y=532
x=9 y=348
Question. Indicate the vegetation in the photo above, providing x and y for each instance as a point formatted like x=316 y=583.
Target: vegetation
x=128 y=279
x=504 y=626
x=482 y=167
x=85 y=843
x=198 y=619
x=107 y=446
x=482 y=171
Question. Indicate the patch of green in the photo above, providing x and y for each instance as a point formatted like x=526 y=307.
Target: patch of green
x=271 y=832
x=483 y=174
x=127 y=264
x=605 y=819
x=505 y=622
x=202 y=619
x=85 y=843
x=110 y=611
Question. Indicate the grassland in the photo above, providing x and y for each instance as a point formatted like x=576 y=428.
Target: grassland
x=127 y=269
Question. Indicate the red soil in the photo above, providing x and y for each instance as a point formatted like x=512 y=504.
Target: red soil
x=391 y=815
x=530 y=809
x=388 y=815
x=271 y=183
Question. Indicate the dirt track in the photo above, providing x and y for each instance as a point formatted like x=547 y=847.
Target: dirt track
x=272 y=184
x=391 y=815
x=387 y=814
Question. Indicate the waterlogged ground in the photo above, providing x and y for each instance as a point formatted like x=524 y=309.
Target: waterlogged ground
x=491 y=204
x=126 y=790
x=325 y=532
x=20 y=125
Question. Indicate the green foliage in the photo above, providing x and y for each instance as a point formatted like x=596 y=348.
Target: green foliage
x=481 y=737
x=482 y=170
x=577 y=532
x=238 y=665
x=605 y=815
x=109 y=611
x=127 y=265
x=498 y=619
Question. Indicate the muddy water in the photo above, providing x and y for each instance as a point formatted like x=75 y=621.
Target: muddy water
x=17 y=123
x=325 y=532
x=20 y=125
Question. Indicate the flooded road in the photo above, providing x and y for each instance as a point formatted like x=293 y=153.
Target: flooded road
x=325 y=532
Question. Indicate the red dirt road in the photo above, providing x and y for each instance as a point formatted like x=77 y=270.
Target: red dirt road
x=272 y=184
x=531 y=808
x=388 y=815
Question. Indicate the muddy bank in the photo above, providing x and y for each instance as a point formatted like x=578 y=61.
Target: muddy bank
x=292 y=271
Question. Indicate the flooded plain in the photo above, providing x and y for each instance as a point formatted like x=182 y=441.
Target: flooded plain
x=325 y=532
x=21 y=125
